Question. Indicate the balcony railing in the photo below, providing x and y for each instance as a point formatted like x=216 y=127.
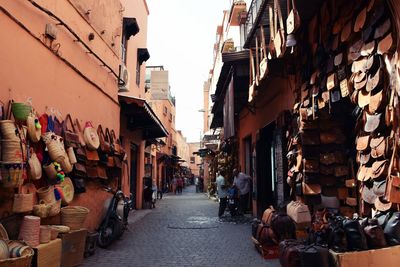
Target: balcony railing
x=255 y=7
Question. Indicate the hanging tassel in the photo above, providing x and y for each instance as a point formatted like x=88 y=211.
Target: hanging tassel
x=37 y=124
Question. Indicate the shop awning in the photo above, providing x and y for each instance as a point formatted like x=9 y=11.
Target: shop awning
x=141 y=116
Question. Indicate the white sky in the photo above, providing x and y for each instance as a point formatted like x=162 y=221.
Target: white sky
x=181 y=35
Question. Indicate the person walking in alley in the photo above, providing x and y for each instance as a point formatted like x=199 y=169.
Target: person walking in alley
x=174 y=182
x=179 y=184
x=222 y=192
x=243 y=183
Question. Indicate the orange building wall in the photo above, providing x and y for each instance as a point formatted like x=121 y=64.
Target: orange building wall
x=270 y=101
x=62 y=77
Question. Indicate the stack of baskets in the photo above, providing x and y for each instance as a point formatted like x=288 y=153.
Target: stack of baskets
x=74 y=216
x=13 y=153
x=48 y=204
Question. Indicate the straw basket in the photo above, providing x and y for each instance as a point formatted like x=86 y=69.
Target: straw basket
x=34 y=128
x=13 y=176
x=66 y=165
x=42 y=209
x=74 y=216
x=23 y=260
x=22 y=203
x=55 y=208
x=50 y=171
x=46 y=194
x=45 y=234
x=53 y=233
x=20 y=111
x=91 y=137
x=9 y=130
x=67 y=191
x=71 y=155
x=30 y=230
x=13 y=151
x=35 y=168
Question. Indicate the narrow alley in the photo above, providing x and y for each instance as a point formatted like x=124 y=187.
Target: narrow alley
x=183 y=230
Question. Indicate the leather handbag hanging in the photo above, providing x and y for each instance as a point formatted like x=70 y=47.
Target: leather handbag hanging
x=105 y=145
x=360 y=20
x=375 y=102
x=293 y=19
x=382 y=30
x=310 y=138
x=363 y=98
x=368 y=195
x=379 y=169
x=379 y=188
x=385 y=45
x=271 y=50
x=71 y=138
x=311 y=189
x=354 y=51
x=362 y=142
x=279 y=37
x=393 y=181
x=332 y=81
x=79 y=170
x=116 y=144
x=310 y=166
x=346 y=31
x=372 y=122
x=368 y=48
x=378 y=146
x=263 y=56
x=252 y=78
x=78 y=130
x=92 y=155
x=58 y=126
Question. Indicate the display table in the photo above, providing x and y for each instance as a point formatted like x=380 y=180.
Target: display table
x=47 y=255
x=73 y=247
x=385 y=257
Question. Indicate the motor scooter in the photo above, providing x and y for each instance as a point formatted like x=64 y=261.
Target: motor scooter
x=115 y=220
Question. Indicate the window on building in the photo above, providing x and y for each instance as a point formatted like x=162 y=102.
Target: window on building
x=192 y=160
x=137 y=73
x=165 y=110
x=170 y=117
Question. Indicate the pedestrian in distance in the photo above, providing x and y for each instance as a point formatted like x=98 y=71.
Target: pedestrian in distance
x=221 y=192
x=243 y=182
x=179 y=184
x=148 y=197
x=174 y=184
x=159 y=192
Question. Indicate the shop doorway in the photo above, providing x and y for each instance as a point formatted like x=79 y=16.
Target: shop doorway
x=265 y=169
x=133 y=174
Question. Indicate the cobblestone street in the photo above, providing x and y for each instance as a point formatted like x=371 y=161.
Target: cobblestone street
x=183 y=230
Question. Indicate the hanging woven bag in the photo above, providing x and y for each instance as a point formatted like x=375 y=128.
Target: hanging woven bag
x=91 y=137
x=34 y=166
x=34 y=127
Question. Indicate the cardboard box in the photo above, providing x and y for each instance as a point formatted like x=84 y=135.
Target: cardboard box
x=47 y=255
x=386 y=257
x=73 y=247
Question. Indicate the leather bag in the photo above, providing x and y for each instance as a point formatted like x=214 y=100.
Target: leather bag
x=279 y=37
x=327 y=158
x=79 y=170
x=368 y=195
x=362 y=142
x=375 y=235
x=310 y=166
x=310 y=138
x=267 y=215
x=289 y=253
x=393 y=181
x=70 y=134
x=265 y=235
x=379 y=169
x=375 y=102
x=385 y=45
x=360 y=20
x=378 y=146
x=92 y=155
x=283 y=226
x=372 y=122
x=379 y=188
x=382 y=30
x=392 y=229
x=264 y=57
x=368 y=48
x=311 y=189
x=341 y=170
x=315 y=255
x=299 y=212
x=293 y=19
x=354 y=51
x=105 y=145
x=356 y=240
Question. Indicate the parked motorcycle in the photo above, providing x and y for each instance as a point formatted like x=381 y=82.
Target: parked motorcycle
x=115 y=220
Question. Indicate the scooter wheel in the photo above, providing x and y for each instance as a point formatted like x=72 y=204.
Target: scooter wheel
x=107 y=235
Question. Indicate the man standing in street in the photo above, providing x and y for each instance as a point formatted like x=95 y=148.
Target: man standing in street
x=222 y=192
x=242 y=182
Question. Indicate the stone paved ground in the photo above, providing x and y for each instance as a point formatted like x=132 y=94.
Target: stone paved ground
x=183 y=230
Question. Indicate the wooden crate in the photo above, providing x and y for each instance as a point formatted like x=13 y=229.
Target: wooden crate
x=267 y=252
x=73 y=247
x=47 y=255
x=386 y=257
